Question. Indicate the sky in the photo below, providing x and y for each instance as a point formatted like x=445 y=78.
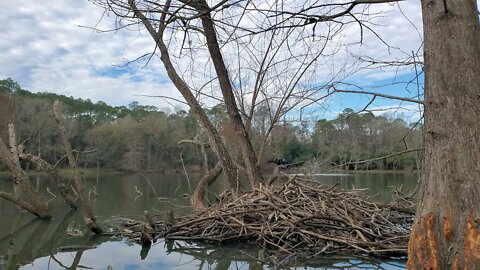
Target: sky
x=50 y=46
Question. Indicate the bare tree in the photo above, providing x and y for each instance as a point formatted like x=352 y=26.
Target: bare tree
x=156 y=18
x=279 y=77
x=24 y=195
x=445 y=232
x=89 y=217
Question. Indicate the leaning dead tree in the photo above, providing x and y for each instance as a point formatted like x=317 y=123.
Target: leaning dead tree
x=22 y=188
x=24 y=195
x=89 y=217
x=202 y=9
x=46 y=167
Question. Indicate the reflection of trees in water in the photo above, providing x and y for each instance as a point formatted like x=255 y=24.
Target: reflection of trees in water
x=253 y=258
x=36 y=238
x=39 y=238
x=42 y=238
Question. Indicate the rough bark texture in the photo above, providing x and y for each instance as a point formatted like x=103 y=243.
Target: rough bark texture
x=218 y=145
x=35 y=204
x=88 y=215
x=48 y=168
x=14 y=152
x=254 y=175
x=198 y=196
x=446 y=231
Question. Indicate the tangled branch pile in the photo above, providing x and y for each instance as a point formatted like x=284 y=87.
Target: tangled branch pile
x=299 y=217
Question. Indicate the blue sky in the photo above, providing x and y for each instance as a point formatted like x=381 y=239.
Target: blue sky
x=46 y=47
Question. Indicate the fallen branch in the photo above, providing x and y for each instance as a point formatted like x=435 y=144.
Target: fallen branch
x=297 y=217
x=377 y=158
x=24 y=190
x=48 y=168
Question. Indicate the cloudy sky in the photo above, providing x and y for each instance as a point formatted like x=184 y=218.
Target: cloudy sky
x=45 y=46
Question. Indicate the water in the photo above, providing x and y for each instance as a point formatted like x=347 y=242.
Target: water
x=29 y=243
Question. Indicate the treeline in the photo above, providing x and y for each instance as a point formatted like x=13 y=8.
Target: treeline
x=143 y=138
x=349 y=140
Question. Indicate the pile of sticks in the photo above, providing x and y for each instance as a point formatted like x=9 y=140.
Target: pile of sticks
x=297 y=216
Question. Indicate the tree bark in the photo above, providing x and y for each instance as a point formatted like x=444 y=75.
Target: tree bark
x=48 y=168
x=254 y=175
x=198 y=196
x=446 y=231
x=14 y=152
x=218 y=145
x=88 y=216
x=38 y=205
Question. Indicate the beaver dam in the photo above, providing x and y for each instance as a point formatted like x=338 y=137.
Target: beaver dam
x=298 y=218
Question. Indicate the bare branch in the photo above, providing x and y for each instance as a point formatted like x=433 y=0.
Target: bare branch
x=379 y=95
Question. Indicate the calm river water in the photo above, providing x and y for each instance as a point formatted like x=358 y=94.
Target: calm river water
x=29 y=243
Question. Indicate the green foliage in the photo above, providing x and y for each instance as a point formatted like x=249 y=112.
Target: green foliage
x=8 y=86
x=140 y=137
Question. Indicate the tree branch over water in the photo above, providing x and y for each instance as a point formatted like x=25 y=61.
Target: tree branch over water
x=379 y=95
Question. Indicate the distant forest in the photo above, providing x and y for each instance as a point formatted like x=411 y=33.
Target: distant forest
x=144 y=138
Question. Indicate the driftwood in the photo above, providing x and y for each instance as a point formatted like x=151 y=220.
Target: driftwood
x=12 y=138
x=48 y=168
x=296 y=217
x=24 y=195
x=198 y=196
x=88 y=215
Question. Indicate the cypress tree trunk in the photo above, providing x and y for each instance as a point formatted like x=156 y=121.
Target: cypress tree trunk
x=446 y=231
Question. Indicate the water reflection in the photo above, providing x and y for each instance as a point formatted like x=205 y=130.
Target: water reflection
x=378 y=185
x=29 y=243
x=180 y=255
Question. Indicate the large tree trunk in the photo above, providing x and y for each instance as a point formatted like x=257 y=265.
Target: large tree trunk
x=446 y=232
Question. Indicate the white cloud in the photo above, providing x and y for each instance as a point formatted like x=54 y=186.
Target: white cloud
x=44 y=49
x=124 y=257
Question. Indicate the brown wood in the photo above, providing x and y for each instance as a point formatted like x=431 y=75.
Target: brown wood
x=445 y=234
x=48 y=168
x=14 y=152
x=88 y=216
x=299 y=218
x=198 y=196
x=254 y=175
x=218 y=145
x=31 y=200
